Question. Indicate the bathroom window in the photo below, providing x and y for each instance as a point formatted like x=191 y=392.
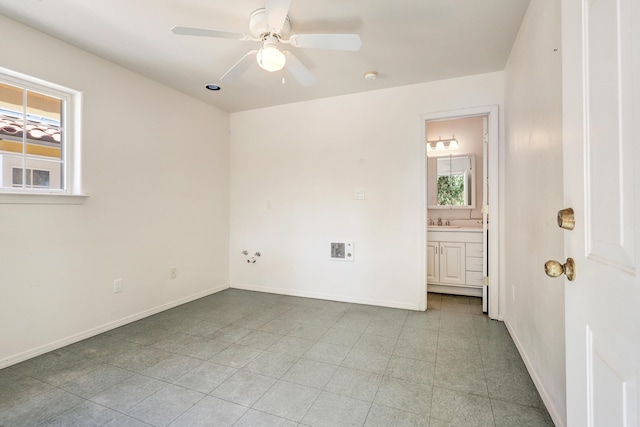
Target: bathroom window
x=452 y=190
x=38 y=144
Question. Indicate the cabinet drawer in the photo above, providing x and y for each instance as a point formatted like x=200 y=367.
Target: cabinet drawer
x=474 y=278
x=474 y=249
x=474 y=264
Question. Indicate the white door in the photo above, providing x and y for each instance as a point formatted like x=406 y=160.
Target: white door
x=601 y=158
x=485 y=213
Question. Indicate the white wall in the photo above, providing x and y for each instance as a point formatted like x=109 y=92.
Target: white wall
x=294 y=170
x=533 y=102
x=156 y=166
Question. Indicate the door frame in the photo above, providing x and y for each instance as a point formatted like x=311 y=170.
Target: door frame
x=495 y=209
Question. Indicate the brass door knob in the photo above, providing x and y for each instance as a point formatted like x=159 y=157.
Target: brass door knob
x=556 y=269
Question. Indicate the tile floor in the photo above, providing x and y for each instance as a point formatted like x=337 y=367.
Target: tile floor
x=252 y=359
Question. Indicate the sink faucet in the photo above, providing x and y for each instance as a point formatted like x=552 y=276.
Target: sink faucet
x=439 y=221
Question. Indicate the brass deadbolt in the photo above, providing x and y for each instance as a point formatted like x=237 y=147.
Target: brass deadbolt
x=566 y=219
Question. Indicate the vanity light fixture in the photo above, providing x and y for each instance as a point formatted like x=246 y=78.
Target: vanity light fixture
x=443 y=144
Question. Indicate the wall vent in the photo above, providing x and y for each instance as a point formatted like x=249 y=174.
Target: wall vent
x=342 y=251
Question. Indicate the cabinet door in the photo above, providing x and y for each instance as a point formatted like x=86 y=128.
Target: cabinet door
x=433 y=263
x=452 y=262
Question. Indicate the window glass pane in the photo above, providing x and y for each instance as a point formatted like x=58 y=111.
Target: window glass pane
x=11 y=176
x=41 y=179
x=17 y=177
x=43 y=125
x=11 y=98
x=11 y=114
x=43 y=174
x=451 y=190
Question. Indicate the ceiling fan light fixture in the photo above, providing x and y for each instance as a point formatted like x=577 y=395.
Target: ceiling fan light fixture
x=269 y=57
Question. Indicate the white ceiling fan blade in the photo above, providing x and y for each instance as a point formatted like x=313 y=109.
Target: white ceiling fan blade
x=276 y=12
x=190 y=31
x=327 y=41
x=239 y=67
x=298 y=70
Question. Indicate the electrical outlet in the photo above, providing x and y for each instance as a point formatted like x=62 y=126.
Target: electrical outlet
x=173 y=272
x=117 y=286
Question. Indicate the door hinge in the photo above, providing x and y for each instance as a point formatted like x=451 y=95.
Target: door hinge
x=486 y=280
x=485 y=138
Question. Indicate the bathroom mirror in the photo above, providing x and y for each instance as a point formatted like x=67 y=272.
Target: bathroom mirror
x=451 y=182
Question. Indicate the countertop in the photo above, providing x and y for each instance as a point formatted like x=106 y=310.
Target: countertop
x=454 y=228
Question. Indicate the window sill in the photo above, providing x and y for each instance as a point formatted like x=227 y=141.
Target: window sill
x=42 y=199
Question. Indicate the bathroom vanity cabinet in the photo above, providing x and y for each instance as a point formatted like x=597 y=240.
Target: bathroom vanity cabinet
x=446 y=262
x=454 y=260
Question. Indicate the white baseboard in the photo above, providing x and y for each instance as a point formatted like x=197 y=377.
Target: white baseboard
x=548 y=402
x=12 y=360
x=340 y=298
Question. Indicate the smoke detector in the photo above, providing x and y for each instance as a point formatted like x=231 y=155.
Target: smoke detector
x=371 y=75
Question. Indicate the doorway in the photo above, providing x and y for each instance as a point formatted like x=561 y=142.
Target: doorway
x=469 y=166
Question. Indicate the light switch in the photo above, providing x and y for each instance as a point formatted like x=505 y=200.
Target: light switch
x=359 y=194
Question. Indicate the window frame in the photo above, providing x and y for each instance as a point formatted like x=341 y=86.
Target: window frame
x=70 y=144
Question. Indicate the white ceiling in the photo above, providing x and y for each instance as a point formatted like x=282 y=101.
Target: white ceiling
x=405 y=41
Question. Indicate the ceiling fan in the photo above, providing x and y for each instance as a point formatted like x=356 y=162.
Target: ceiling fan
x=271 y=27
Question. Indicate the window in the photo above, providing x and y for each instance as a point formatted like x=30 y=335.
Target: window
x=452 y=190
x=37 y=144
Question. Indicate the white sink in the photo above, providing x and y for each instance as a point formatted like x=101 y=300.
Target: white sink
x=443 y=226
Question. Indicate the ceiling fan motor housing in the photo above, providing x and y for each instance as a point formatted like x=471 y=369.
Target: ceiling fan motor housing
x=260 y=30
